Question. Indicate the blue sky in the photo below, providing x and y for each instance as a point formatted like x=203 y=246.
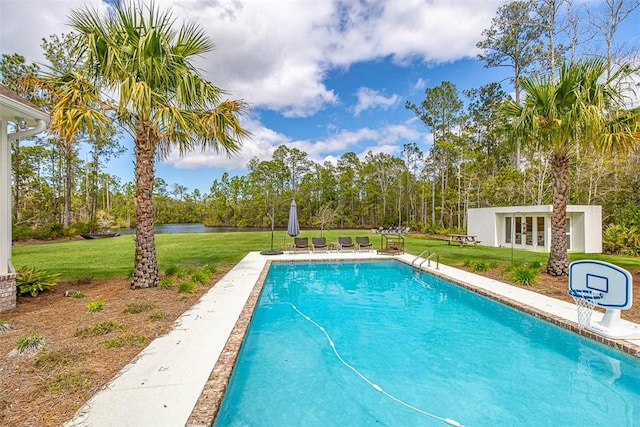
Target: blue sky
x=326 y=77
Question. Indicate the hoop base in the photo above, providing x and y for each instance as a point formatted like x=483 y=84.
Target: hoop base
x=611 y=326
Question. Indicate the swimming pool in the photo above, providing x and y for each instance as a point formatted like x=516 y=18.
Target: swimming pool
x=440 y=351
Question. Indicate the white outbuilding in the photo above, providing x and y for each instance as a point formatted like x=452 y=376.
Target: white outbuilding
x=19 y=119
x=529 y=227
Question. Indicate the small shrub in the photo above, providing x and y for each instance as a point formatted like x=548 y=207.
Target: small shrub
x=200 y=277
x=139 y=307
x=512 y=266
x=493 y=265
x=621 y=239
x=536 y=265
x=211 y=269
x=4 y=326
x=203 y=275
x=98 y=329
x=629 y=252
x=114 y=343
x=479 y=266
x=32 y=281
x=187 y=286
x=171 y=270
x=95 y=306
x=182 y=297
x=83 y=280
x=72 y=381
x=77 y=294
x=166 y=283
x=127 y=340
x=524 y=276
x=157 y=315
x=181 y=274
x=65 y=356
x=136 y=340
x=30 y=344
x=466 y=262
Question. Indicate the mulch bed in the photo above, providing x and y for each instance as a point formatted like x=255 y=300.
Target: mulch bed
x=47 y=388
x=557 y=287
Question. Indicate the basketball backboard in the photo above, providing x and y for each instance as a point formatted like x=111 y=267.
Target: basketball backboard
x=613 y=283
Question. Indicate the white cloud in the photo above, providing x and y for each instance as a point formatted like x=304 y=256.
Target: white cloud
x=260 y=144
x=386 y=149
x=24 y=23
x=276 y=53
x=370 y=98
x=435 y=31
x=420 y=84
x=264 y=141
x=270 y=53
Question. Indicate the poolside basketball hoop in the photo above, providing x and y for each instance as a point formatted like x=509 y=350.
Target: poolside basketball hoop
x=585 y=303
x=600 y=284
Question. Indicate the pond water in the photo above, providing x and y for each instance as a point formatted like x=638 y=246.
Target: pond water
x=190 y=228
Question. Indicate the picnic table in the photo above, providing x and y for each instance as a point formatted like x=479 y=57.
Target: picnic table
x=463 y=239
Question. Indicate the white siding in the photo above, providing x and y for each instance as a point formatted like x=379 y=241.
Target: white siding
x=592 y=230
x=586 y=225
x=5 y=200
x=484 y=226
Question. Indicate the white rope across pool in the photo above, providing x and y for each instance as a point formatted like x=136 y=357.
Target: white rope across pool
x=372 y=384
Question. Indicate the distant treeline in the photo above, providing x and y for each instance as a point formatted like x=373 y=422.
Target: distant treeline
x=428 y=192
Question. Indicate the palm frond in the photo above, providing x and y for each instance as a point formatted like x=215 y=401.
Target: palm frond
x=137 y=54
x=622 y=132
x=579 y=108
x=192 y=41
x=77 y=105
x=223 y=128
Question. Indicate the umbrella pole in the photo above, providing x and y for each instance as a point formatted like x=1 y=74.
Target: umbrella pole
x=273 y=217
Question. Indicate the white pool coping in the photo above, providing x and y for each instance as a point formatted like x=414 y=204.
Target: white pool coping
x=161 y=386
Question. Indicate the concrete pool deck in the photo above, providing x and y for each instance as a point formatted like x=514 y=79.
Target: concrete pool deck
x=161 y=386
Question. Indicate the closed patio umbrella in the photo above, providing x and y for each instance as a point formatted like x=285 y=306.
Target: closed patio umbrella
x=293 y=228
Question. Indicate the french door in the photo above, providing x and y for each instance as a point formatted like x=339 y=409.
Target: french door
x=525 y=231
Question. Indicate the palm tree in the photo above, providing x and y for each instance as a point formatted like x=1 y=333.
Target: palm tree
x=158 y=96
x=581 y=109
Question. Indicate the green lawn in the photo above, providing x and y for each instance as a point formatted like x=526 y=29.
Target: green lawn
x=106 y=258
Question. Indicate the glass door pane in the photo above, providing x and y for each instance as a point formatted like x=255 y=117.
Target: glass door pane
x=529 y=230
x=507 y=230
x=518 y=230
x=540 y=230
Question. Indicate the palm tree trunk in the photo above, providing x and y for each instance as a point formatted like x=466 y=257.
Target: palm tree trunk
x=145 y=271
x=558 y=262
x=68 y=182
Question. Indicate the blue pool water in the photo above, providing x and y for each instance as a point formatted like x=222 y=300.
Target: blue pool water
x=429 y=344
